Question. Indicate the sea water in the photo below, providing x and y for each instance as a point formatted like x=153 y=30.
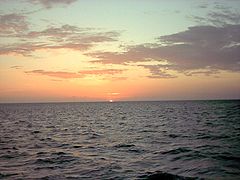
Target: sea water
x=120 y=140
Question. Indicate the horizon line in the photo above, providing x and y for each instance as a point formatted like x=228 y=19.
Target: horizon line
x=119 y=101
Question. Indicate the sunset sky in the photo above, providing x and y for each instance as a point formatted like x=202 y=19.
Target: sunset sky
x=97 y=50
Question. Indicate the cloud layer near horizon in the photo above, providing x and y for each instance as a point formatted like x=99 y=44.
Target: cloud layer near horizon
x=199 y=48
x=73 y=75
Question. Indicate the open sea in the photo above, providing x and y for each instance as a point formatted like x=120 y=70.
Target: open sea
x=120 y=140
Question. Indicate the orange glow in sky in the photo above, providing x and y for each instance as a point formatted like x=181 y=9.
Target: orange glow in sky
x=118 y=51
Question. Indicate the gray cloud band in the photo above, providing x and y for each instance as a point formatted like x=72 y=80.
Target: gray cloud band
x=201 y=47
x=15 y=26
x=51 y=3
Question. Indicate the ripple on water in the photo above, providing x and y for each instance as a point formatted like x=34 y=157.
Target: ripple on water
x=124 y=145
x=170 y=140
x=158 y=175
x=178 y=150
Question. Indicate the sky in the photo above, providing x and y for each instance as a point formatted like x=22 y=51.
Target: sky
x=128 y=50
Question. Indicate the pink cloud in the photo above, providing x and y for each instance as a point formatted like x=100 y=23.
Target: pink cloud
x=12 y=24
x=101 y=71
x=66 y=36
x=16 y=67
x=58 y=74
x=72 y=75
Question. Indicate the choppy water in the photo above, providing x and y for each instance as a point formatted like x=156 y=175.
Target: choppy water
x=125 y=140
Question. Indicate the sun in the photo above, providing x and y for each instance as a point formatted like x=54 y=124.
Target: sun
x=110 y=100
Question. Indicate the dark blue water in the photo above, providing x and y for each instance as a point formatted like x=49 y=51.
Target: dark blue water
x=122 y=140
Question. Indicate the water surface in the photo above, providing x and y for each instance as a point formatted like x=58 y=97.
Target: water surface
x=122 y=140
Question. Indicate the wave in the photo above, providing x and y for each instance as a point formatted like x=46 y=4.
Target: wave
x=177 y=151
x=165 y=176
x=124 y=145
x=61 y=159
x=6 y=175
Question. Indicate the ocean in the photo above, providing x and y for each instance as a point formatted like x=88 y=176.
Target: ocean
x=120 y=140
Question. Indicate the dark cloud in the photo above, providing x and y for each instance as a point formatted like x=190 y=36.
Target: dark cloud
x=223 y=18
x=198 y=48
x=203 y=47
x=133 y=54
x=66 y=36
x=67 y=33
x=220 y=16
x=26 y=49
x=58 y=33
x=72 y=75
x=203 y=6
x=51 y=3
x=16 y=67
x=206 y=72
x=11 y=24
x=158 y=71
x=58 y=74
